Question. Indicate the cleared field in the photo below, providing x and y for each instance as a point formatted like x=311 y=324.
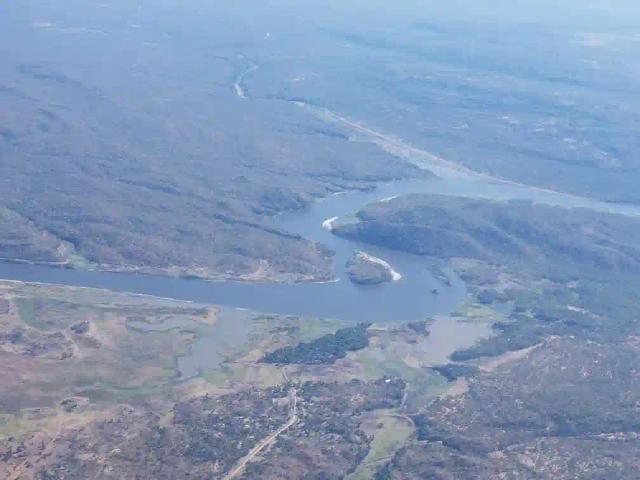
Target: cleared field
x=391 y=432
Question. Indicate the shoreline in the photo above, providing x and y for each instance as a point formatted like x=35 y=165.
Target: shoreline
x=328 y=223
x=395 y=275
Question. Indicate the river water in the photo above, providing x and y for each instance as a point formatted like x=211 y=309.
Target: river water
x=408 y=299
x=411 y=298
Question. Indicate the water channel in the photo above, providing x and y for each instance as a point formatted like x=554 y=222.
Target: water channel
x=408 y=299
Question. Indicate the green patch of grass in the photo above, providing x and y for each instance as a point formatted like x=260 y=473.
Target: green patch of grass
x=311 y=329
x=27 y=311
x=391 y=433
x=219 y=377
x=79 y=262
x=15 y=426
x=108 y=393
x=422 y=384
x=384 y=362
x=421 y=389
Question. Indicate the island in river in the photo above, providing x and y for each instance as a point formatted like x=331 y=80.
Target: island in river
x=365 y=269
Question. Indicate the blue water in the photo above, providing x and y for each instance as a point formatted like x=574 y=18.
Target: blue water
x=411 y=298
x=408 y=299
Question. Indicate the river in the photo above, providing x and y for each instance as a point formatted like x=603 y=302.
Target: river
x=408 y=299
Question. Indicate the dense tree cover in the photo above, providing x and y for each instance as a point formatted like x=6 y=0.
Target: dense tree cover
x=324 y=350
x=453 y=371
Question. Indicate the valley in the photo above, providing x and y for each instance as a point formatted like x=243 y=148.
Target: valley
x=319 y=241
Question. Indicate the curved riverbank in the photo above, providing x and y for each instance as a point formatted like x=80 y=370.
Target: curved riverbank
x=407 y=299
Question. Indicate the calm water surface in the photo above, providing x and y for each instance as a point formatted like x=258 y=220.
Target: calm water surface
x=408 y=299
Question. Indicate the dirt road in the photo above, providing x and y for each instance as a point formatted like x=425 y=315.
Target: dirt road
x=268 y=441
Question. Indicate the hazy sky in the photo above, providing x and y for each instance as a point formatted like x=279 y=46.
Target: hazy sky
x=586 y=13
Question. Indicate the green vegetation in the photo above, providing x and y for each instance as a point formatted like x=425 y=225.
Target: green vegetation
x=562 y=409
x=562 y=271
x=26 y=310
x=333 y=436
x=390 y=433
x=530 y=236
x=565 y=283
x=64 y=343
x=364 y=270
x=324 y=350
x=453 y=371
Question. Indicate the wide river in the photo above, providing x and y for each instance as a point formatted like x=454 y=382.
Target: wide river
x=408 y=299
x=411 y=298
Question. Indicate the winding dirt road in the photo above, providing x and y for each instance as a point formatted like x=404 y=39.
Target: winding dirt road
x=268 y=441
